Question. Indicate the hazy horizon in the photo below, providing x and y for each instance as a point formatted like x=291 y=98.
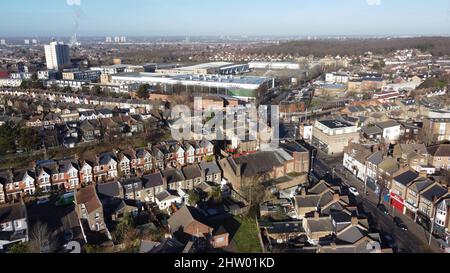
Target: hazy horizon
x=168 y=18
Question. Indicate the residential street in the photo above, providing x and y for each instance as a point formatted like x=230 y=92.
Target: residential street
x=415 y=240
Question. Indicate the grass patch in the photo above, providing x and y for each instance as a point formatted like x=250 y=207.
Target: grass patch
x=246 y=238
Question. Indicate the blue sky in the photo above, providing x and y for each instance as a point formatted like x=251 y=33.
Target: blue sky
x=225 y=17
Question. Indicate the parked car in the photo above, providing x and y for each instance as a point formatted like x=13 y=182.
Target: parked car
x=399 y=222
x=383 y=209
x=43 y=200
x=68 y=235
x=354 y=191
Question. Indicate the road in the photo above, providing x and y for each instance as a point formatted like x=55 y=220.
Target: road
x=415 y=240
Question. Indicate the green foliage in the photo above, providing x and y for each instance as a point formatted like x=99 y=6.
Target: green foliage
x=67 y=89
x=433 y=83
x=122 y=228
x=28 y=139
x=142 y=92
x=92 y=249
x=97 y=90
x=194 y=198
x=19 y=248
x=216 y=195
x=8 y=133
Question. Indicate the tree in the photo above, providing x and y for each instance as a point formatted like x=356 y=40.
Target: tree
x=24 y=84
x=216 y=195
x=41 y=240
x=8 y=133
x=67 y=89
x=28 y=139
x=97 y=90
x=142 y=92
x=194 y=198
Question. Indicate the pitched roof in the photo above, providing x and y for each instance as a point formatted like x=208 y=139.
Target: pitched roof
x=192 y=172
x=173 y=175
x=406 y=177
x=210 y=168
x=257 y=163
x=389 y=165
x=442 y=150
x=153 y=180
x=184 y=216
x=376 y=158
x=320 y=225
x=388 y=124
x=111 y=189
x=89 y=198
x=12 y=212
x=434 y=191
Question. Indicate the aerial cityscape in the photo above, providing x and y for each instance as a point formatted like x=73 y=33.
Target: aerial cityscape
x=258 y=127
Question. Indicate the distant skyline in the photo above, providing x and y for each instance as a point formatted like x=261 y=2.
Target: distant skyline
x=56 y=18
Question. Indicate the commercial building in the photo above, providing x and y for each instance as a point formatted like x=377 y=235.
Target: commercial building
x=6 y=82
x=236 y=86
x=222 y=68
x=274 y=65
x=57 y=55
x=77 y=75
x=332 y=136
x=110 y=69
x=436 y=127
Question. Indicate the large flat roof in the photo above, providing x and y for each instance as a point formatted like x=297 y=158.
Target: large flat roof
x=205 y=66
x=200 y=78
x=335 y=124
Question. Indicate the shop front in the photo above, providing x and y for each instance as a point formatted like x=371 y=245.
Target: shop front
x=410 y=210
x=397 y=202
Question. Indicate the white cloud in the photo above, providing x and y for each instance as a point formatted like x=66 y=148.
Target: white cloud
x=373 y=2
x=73 y=2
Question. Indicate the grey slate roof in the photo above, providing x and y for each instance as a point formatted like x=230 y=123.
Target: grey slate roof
x=173 y=175
x=210 y=168
x=435 y=191
x=192 y=172
x=111 y=189
x=12 y=212
x=153 y=180
x=406 y=177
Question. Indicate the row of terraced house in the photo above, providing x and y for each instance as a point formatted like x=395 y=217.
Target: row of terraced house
x=69 y=174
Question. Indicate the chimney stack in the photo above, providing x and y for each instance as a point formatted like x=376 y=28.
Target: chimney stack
x=303 y=192
x=316 y=215
x=423 y=174
x=355 y=221
x=336 y=197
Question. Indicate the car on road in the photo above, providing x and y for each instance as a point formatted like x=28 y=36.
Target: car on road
x=399 y=222
x=383 y=209
x=353 y=191
x=43 y=201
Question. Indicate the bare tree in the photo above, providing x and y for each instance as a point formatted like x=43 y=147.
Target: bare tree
x=41 y=240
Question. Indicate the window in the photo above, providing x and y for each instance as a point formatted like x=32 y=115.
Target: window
x=18 y=224
x=97 y=216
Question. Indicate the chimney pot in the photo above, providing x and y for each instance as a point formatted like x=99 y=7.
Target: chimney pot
x=336 y=197
x=355 y=221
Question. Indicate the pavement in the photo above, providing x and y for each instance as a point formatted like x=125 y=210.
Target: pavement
x=415 y=240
